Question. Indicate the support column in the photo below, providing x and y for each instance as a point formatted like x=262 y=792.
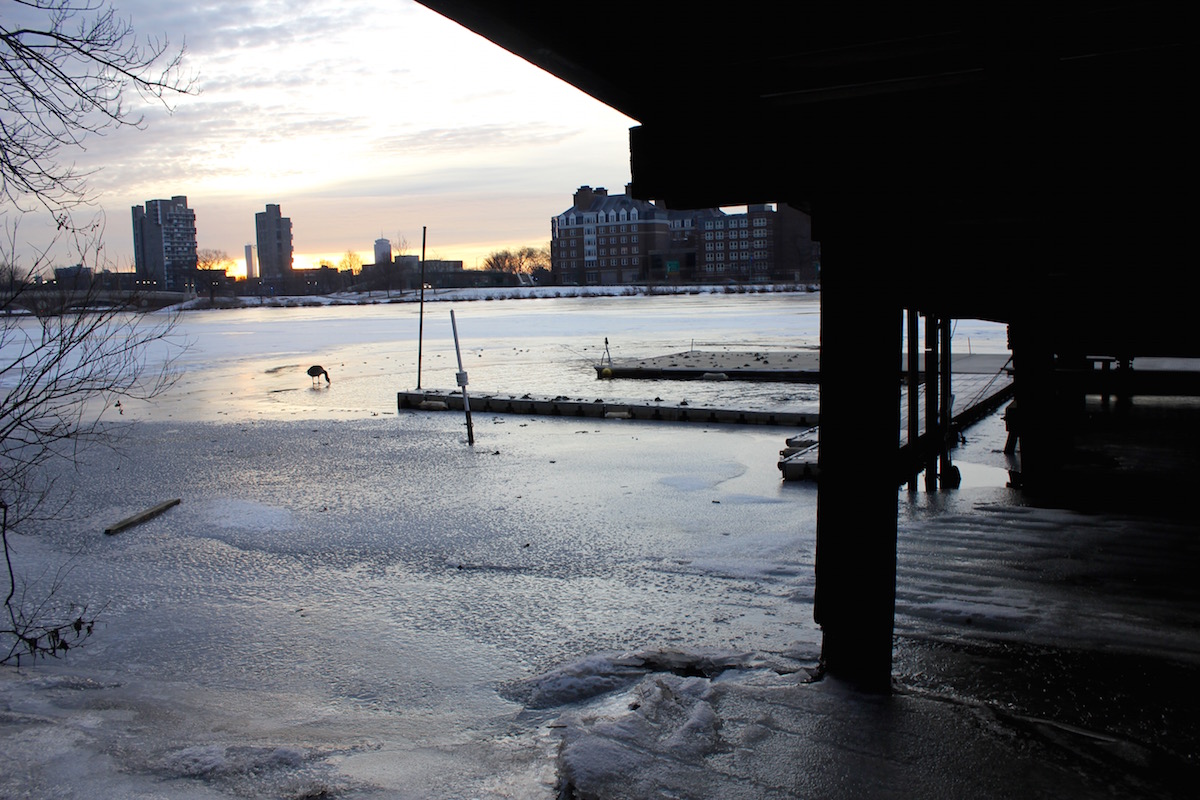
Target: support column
x=948 y=476
x=856 y=496
x=1038 y=420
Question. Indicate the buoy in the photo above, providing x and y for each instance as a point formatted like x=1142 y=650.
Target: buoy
x=606 y=373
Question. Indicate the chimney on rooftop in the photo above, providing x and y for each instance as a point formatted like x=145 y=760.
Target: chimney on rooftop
x=587 y=195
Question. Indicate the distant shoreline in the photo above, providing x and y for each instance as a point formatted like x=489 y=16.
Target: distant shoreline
x=491 y=293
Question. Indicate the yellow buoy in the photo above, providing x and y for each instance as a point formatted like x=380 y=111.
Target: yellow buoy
x=606 y=373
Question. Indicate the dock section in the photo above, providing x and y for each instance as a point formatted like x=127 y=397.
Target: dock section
x=798 y=366
x=976 y=396
x=783 y=366
x=599 y=409
x=982 y=382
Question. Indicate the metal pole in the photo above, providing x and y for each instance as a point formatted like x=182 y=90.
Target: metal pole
x=931 y=401
x=914 y=393
x=462 y=381
x=421 y=322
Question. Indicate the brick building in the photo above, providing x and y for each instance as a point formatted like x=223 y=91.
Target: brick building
x=612 y=239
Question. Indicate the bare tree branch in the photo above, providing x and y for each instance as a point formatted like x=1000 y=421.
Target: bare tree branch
x=61 y=378
x=66 y=67
x=66 y=70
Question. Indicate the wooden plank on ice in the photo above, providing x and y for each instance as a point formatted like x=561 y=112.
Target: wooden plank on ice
x=137 y=519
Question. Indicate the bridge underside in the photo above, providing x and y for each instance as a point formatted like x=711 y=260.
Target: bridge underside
x=1020 y=164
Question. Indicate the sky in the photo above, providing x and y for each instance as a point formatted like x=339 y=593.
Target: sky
x=362 y=120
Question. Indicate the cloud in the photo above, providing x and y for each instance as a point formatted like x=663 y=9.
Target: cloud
x=356 y=118
x=490 y=136
x=218 y=28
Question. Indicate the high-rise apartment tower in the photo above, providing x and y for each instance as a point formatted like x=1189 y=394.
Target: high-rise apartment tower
x=164 y=244
x=274 y=234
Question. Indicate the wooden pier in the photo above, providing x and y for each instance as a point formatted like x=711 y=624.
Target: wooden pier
x=975 y=397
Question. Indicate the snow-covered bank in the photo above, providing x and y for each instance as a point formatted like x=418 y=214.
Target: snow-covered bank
x=489 y=294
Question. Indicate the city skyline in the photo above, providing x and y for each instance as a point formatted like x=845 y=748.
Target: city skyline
x=363 y=121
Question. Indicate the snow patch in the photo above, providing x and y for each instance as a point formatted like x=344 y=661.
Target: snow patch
x=601 y=674
x=668 y=720
x=246 y=515
x=585 y=679
x=206 y=760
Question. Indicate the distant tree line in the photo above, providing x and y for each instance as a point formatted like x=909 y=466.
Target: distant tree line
x=525 y=259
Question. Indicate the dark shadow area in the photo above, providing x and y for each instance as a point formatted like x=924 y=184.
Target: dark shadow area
x=1122 y=720
x=1142 y=456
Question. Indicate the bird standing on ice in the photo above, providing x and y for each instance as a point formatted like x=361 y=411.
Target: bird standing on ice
x=316 y=371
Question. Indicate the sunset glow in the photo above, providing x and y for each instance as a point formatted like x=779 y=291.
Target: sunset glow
x=362 y=121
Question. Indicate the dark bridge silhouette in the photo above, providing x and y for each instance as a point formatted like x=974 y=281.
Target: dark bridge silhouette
x=48 y=302
x=1018 y=163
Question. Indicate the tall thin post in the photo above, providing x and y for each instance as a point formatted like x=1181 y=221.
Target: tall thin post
x=462 y=381
x=421 y=316
x=914 y=393
x=932 y=396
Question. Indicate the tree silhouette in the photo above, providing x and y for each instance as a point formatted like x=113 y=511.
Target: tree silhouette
x=66 y=68
x=524 y=259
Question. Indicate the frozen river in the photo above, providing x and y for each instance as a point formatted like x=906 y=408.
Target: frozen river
x=352 y=603
x=244 y=364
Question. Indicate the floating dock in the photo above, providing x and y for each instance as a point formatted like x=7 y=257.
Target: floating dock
x=982 y=383
x=783 y=366
x=599 y=409
x=797 y=366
